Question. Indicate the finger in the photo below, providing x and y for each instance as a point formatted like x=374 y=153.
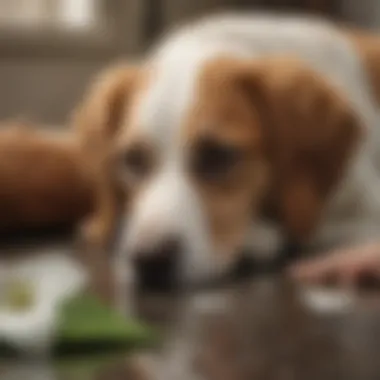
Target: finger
x=314 y=273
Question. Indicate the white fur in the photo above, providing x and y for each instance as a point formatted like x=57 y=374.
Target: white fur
x=169 y=204
x=169 y=207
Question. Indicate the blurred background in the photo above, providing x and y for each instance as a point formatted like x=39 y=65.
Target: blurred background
x=49 y=49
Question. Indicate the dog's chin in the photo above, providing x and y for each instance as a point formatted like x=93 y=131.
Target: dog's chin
x=211 y=273
x=204 y=281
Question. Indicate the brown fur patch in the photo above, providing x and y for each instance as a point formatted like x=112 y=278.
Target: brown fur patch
x=222 y=113
x=290 y=118
x=97 y=121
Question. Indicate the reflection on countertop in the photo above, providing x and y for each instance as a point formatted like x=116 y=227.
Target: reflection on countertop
x=258 y=328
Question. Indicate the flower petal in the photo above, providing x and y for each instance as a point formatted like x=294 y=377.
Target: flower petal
x=53 y=277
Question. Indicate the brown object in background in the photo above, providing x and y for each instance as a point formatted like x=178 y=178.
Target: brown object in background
x=43 y=183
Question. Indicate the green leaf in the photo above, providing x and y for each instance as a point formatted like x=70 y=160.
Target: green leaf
x=87 y=325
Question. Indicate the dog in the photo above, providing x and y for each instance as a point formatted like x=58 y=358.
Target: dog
x=43 y=182
x=236 y=131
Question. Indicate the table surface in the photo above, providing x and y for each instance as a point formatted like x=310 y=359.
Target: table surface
x=258 y=328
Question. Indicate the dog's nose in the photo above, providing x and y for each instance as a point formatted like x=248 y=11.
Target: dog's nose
x=157 y=267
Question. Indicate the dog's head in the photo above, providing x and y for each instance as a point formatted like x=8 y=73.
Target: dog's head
x=201 y=152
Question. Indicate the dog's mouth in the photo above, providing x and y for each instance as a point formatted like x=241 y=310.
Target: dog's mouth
x=157 y=274
x=163 y=274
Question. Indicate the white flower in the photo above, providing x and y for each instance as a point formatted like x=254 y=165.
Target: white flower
x=51 y=278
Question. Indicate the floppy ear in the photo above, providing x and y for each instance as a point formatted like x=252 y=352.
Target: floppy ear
x=97 y=121
x=105 y=104
x=309 y=131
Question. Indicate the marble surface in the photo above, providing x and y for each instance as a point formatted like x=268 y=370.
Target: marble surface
x=263 y=327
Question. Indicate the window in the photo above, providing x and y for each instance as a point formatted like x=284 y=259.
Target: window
x=49 y=14
x=71 y=28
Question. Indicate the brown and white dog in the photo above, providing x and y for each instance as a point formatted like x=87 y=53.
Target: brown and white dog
x=226 y=119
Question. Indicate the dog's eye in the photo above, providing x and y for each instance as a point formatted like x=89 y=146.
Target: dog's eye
x=212 y=159
x=137 y=162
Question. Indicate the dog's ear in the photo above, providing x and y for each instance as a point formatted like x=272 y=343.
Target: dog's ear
x=309 y=131
x=97 y=121
x=105 y=104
